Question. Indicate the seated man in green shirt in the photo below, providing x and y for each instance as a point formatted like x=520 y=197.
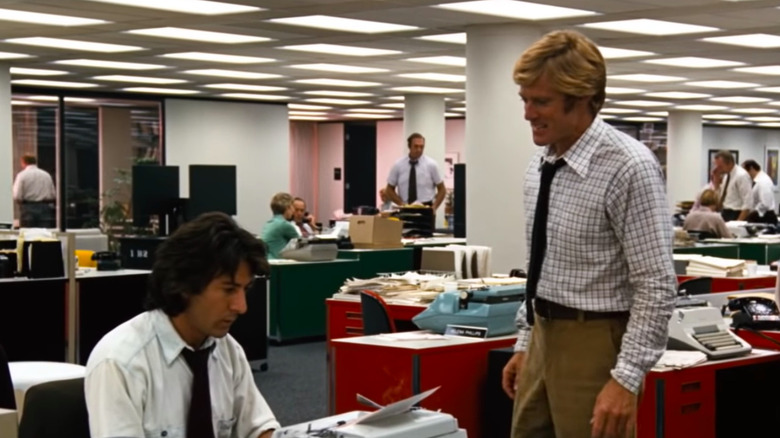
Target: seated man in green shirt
x=278 y=230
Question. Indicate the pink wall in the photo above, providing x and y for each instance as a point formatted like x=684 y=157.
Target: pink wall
x=390 y=146
x=331 y=154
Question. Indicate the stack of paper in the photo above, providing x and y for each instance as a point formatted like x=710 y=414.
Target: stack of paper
x=707 y=266
x=675 y=359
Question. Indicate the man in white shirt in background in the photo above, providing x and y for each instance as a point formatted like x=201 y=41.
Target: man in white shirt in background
x=302 y=220
x=174 y=371
x=34 y=191
x=735 y=189
x=428 y=187
x=764 y=203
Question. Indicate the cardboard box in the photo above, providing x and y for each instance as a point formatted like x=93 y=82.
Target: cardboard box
x=8 y=423
x=375 y=232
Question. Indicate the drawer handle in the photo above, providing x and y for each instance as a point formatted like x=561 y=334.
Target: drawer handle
x=354 y=315
x=690 y=387
x=691 y=408
x=354 y=331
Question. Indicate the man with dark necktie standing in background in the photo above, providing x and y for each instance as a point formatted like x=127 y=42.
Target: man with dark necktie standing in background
x=416 y=177
x=736 y=189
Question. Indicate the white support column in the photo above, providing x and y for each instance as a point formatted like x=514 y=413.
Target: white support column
x=424 y=114
x=6 y=146
x=498 y=143
x=683 y=156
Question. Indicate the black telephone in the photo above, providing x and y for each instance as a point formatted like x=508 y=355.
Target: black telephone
x=754 y=312
x=107 y=261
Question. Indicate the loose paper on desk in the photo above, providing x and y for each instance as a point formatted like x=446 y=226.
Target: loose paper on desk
x=392 y=409
x=675 y=359
x=412 y=336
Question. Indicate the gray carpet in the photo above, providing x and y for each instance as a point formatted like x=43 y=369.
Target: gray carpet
x=295 y=384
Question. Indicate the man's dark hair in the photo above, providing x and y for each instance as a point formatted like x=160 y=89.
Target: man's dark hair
x=725 y=156
x=751 y=165
x=412 y=137
x=29 y=159
x=198 y=252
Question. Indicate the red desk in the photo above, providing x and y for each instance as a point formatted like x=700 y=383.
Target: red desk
x=386 y=371
x=682 y=403
x=345 y=318
x=758 y=341
x=728 y=284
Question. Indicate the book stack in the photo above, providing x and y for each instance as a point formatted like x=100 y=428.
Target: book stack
x=707 y=266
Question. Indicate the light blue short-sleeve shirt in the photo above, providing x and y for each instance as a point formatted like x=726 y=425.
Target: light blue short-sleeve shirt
x=427 y=174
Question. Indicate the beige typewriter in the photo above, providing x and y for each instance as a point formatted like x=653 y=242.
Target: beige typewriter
x=704 y=329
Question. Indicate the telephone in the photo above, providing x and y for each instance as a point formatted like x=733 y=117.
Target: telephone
x=754 y=311
x=107 y=261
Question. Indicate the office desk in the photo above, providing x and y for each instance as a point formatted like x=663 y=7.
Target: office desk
x=297 y=294
x=712 y=399
x=736 y=284
x=419 y=244
x=345 y=317
x=387 y=371
x=724 y=250
x=762 y=251
x=372 y=262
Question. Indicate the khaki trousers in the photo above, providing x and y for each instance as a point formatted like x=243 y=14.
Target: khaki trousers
x=566 y=366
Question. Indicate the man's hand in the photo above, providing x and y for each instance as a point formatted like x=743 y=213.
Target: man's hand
x=266 y=434
x=511 y=372
x=614 y=415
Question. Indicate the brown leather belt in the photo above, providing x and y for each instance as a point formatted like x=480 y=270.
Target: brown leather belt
x=549 y=310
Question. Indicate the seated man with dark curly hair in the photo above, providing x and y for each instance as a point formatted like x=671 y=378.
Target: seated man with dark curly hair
x=174 y=371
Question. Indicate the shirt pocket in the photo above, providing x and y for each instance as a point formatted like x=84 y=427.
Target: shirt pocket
x=225 y=427
x=165 y=432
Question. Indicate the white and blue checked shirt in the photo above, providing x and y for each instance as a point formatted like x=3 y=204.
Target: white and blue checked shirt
x=609 y=242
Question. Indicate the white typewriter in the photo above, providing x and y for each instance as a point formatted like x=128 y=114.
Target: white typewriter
x=703 y=329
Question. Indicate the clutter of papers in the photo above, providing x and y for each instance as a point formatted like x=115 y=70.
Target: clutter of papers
x=676 y=359
x=708 y=266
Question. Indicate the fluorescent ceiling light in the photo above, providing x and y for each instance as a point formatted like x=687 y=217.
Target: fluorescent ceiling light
x=59 y=43
x=336 y=49
x=308 y=118
x=457 y=61
x=719 y=116
x=647 y=26
x=55 y=99
x=516 y=9
x=694 y=62
x=623 y=90
x=424 y=90
x=722 y=84
x=159 y=90
x=452 y=115
x=753 y=110
x=643 y=119
x=44 y=83
x=397 y=98
x=658 y=114
x=254 y=96
x=763 y=119
x=236 y=74
x=395 y=105
x=740 y=99
x=335 y=93
x=452 y=38
x=733 y=122
x=769 y=125
x=762 y=70
x=307 y=113
x=643 y=103
x=369 y=116
x=757 y=40
x=343 y=24
x=461 y=109
x=619 y=110
x=769 y=89
x=218 y=57
x=701 y=107
x=641 y=77
x=615 y=53
x=109 y=64
x=339 y=68
x=338 y=82
x=434 y=77
x=36 y=71
x=139 y=79
x=331 y=101
x=372 y=110
x=245 y=87
x=9 y=55
x=300 y=106
x=200 y=7
x=39 y=18
x=607 y=116
x=198 y=35
x=678 y=95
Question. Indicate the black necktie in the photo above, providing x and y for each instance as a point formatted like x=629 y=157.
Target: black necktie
x=539 y=236
x=725 y=191
x=199 y=424
x=412 y=182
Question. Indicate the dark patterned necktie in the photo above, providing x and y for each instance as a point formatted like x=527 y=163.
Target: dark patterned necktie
x=199 y=424
x=539 y=236
x=412 y=182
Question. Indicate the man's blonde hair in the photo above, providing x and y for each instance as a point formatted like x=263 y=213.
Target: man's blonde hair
x=281 y=202
x=572 y=63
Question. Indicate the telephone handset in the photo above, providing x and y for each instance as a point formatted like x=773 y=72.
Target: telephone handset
x=755 y=312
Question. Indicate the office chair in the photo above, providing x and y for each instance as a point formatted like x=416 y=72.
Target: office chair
x=54 y=410
x=7 y=400
x=376 y=316
x=695 y=286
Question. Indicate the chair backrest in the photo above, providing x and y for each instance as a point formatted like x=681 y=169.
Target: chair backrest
x=376 y=316
x=695 y=286
x=7 y=400
x=55 y=409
